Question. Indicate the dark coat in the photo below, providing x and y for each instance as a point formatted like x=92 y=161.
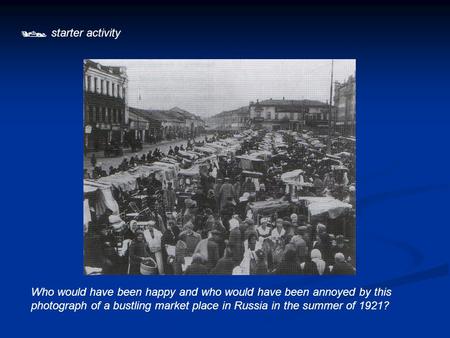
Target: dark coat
x=196 y=269
x=224 y=266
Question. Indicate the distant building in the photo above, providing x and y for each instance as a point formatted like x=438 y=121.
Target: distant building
x=288 y=114
x=345 y=101
x=149 y=125
x=236 y=119
x=105 y=104
x=143 y=127
x=194 y=125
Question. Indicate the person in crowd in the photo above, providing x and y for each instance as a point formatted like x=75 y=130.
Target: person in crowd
x=226 y=192
x=225 y=265
x=341 y=267
x=278 y=232
x=138 y=252
x=197 y=267
x=248 y=186
x=236 y=241
x=289 y=264
x=218 y=218
x=169 y=241
x=153 y=237
x=316 y=258
x=227 y=211
x=169 y=197
x=210 y=202
x=171 y=151
x=264 y=230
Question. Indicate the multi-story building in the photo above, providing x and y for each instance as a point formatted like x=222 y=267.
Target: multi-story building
x=345 y=102
x=236 y=119
x=194 y=125
x=289 y=114
x=143 y=127
x=105 y=104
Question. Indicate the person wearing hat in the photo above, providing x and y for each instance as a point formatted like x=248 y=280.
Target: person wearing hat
x=263 y=230
x=217 y=186
x=339 y=245
x=277 y=232
x=190 y=238
x=237 y=188
x=210 y=201
x=248 y=186
x=169 y=238
x=249 y=261
x=169 y=197
x=226 y=191
x=225 y=265
x=341 y=267
x=153 y=237
x=242 y=205
x=227 y=211
x=288 y=231
x=138 y=252
x=294 y=220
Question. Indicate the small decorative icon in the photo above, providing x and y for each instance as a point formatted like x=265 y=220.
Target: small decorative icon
x=33 y=34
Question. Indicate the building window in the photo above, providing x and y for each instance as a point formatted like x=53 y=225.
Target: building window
x=276 y=116
x=95 y=85
x=107 y=88
x=113 y=89
x=119 y=93
x=97 y=114
x=119 y=116
x=102 y=87
x=103 y=118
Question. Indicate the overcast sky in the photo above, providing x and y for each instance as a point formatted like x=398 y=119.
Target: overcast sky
x=207 y=87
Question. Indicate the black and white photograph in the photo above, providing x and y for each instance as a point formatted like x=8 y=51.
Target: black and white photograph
x=219 y=167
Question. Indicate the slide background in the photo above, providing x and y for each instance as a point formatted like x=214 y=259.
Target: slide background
x=402 y=162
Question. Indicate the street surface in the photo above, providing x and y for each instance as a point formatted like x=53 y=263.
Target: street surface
x=106 y=162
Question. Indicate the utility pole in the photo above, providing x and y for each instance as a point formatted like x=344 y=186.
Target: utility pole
x=330 y=112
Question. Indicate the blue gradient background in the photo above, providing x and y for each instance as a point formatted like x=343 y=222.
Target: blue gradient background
x=402 y=163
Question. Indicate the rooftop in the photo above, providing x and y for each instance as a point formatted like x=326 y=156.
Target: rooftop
x=290 y=103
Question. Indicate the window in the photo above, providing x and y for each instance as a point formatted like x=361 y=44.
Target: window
x=276 y=116
x=97 y=114
x=119 y=116
x=103 y=119
x=95 y=85
x=102 y=86
x=107 y=88
x=113 y=89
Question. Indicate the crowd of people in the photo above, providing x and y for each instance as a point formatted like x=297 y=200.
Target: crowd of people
x=213 y=228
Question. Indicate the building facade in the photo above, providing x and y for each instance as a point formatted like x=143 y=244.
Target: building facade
x=105 y=105
x=236 y=120
x=289 y=114
x=345 y=102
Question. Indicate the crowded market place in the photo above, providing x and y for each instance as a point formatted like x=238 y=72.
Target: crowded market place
x=257 y=202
